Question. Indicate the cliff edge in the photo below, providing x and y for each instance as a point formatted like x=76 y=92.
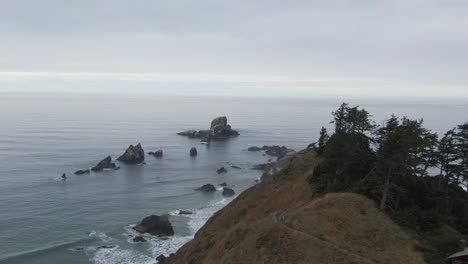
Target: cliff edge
x=279 y=221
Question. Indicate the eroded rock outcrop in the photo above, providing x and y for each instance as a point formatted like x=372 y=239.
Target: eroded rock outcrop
x=155 y=225
x=105 y=164
x=207 y=188
x=228 y=192
x=133 y=154
x=81 y=172
x=219 y=129
x=156 y=154
x=193 y=152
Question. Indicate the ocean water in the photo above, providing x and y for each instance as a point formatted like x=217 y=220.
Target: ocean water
x=45 y=220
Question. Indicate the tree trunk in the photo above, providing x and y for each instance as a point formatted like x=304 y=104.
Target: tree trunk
x=383 y=202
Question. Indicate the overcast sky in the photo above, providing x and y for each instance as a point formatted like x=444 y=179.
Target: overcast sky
x=309 y=47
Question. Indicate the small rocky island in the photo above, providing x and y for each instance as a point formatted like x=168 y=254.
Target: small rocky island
x=219 y=130
x=155 y=225
x=105 y=164
x=133 y=154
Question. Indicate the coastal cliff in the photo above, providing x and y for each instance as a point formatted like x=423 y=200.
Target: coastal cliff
x=280 y=221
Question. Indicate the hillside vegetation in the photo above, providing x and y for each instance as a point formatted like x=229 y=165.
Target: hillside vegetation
x=280 y=221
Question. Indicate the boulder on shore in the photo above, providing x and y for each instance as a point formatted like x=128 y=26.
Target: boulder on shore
x=219 y=129
x=155 y=225
x=105 y=164
x=221 y=170
x=81 y=172
x=193 y=152
x=228 y=192
x=133 y=154
x=207 y=188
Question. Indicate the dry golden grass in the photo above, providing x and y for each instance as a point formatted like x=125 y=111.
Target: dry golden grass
x=278 y=222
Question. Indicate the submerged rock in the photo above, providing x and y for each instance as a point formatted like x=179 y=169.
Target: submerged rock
x=223 y=184
x=105 y=164
x=133 y=154
x=221 y=170
x=193 y=152
x=185 y=212
x=106 y=246
x=81 y=172
x=219 y=129
x=207 y=188
x=236 y=167
x=155 y=225
x=228 y=192
x=139 y=239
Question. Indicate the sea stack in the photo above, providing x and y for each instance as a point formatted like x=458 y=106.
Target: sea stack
x=155 y=225
x=133 y=154
x=193 y=152
x=219 y=129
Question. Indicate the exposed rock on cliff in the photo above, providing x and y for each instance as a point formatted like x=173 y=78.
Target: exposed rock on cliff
x=278 y=221
x=133 y=154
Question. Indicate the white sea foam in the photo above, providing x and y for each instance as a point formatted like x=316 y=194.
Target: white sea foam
x=158 y=246
x=118 y=255
x=101 y=235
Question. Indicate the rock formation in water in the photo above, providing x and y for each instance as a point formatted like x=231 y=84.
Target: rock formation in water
x=276 y=151
x=280 y=221
x=139 y=239
x=133 y=154
x=221 y=170
x=219 y=129
x=207 y=188
x=193 y=152
x=156 y=154
x=105 y=164
x=228 y=192
x=155 y=225
x=81 y=172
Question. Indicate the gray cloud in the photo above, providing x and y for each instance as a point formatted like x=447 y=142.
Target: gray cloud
x=413 y=42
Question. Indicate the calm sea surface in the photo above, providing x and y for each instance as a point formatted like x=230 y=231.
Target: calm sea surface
x=45 y=220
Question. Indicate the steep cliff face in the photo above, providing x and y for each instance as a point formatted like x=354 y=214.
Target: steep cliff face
x=278 y=221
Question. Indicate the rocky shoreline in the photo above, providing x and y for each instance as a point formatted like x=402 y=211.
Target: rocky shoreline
x=159 y=225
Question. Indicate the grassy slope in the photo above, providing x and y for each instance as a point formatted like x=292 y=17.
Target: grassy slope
x=279 y=222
